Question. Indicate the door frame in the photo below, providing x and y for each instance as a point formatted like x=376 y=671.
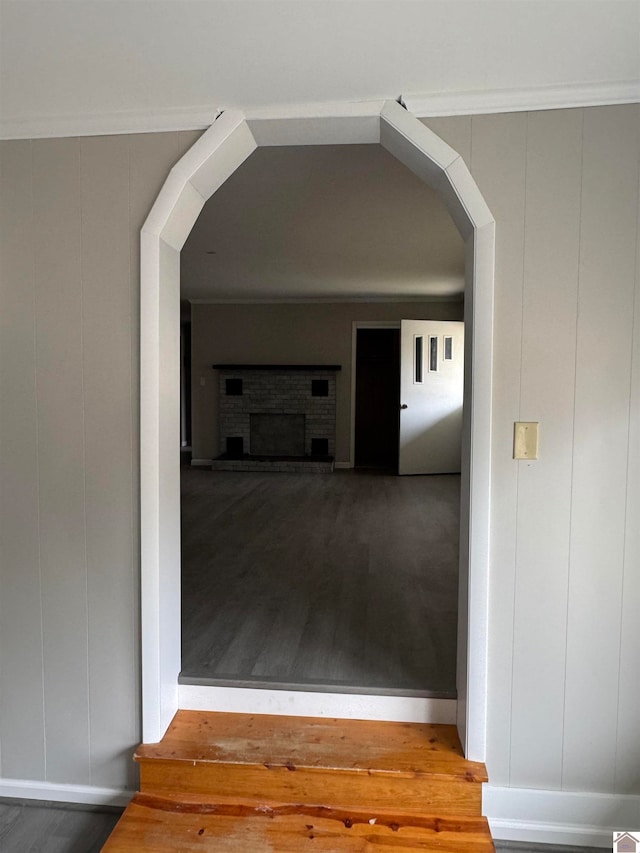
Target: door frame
x=232 y=137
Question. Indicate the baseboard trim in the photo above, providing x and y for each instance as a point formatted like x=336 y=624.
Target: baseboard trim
x=298 y=703
x=27 y=789
x=573 y=818
x=207 y=463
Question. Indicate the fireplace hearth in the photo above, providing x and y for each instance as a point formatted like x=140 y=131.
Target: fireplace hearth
x=275 y=434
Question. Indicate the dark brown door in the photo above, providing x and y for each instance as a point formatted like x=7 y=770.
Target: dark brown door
x=377 y=398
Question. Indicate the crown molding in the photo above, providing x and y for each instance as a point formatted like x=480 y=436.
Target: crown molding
x=161 y=121
x=108 y=124
x=421 y=105
x=328 y=300
x=523 y=100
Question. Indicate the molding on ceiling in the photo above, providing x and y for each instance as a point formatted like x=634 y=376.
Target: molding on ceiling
x=421 y=105
x=329 y=300
x=109 y=124
x=523 y=100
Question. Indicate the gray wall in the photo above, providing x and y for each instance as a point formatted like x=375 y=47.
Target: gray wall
x=564 y=690
x=565 y=586
x=285 y=334
x=69 y=684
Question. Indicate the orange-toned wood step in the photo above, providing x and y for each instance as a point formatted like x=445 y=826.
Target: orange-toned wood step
x=315 y=761
x=155 y=824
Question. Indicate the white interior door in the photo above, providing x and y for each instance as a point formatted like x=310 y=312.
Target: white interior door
x=431 y=387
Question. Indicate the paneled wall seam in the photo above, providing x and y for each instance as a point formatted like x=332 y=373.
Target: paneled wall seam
x=79 y=143
x=517 y=464
x=524 y=264
x=573 y=445
x=627 y=481
x=37 y=431
x=608 y=249
x=136 y=720
x=1 y=576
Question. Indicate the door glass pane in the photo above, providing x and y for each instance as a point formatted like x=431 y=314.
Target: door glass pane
x=418 y=357
x=433 y=352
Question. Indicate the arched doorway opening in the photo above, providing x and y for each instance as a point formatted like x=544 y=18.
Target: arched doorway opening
x=202 y=170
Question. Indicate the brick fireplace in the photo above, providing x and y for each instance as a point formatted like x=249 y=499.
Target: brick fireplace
x=275 y=417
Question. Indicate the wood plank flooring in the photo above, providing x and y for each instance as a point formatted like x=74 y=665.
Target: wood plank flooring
x=347 y=580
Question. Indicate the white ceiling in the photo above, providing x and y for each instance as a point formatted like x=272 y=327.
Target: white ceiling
x=76 y=60
x=323 y=222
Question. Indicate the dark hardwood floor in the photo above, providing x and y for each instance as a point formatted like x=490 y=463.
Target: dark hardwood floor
x=345 y=581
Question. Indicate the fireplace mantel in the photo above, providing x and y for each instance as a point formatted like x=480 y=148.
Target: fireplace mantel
x=280 y=367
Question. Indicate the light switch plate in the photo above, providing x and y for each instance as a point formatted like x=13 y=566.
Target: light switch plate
x=525 y=439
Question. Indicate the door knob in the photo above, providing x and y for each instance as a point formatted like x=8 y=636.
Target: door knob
x=403 y=406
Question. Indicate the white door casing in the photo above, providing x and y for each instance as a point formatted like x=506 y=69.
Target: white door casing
x=198 y=174
x=431 y=395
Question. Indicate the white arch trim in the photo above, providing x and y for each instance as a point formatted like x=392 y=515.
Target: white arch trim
x=201 y=171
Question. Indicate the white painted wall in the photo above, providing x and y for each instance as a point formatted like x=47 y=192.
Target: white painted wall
x=565 y=592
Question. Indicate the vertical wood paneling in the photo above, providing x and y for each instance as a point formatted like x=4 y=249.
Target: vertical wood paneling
x=46 y=343
x=498 y=166
x=106 y=323
x=607 y=278
x=21 y=676
x=90 y=205
x=554 y=142
x=61 y=457
x=627 y=779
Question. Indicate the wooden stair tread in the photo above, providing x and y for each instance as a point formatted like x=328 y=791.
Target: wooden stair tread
x=157 y=824
x=238 y=782
x=400 y=749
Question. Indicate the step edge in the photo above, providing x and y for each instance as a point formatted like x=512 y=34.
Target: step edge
x=303 y=723
x=475 y=774
x=358 y=814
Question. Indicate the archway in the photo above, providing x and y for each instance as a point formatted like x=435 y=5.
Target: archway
x=217 y=154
